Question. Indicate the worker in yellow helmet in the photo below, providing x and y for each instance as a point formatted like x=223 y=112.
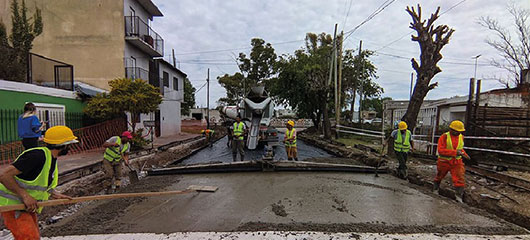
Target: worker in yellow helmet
x=290 y=141
x=403 y=144
x=450 y=154
x=32 y=177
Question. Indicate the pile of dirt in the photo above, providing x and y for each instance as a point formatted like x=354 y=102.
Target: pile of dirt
x=279 y=209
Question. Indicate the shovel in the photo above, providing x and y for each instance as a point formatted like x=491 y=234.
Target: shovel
x=133 y=174
x=56 y=202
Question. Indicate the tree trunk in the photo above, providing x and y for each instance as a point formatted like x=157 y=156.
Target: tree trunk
x=326 y=124
x=353 y=104
x=420 y=91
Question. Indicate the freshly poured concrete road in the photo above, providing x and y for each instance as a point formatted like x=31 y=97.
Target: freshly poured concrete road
x=219 y=152
x=246 y=199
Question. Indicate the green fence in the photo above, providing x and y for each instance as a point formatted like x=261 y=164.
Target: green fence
x=9 y=118
x=8 y=125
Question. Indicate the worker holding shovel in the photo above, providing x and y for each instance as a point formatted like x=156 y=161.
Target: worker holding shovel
x=117 y=148
x=33 y=177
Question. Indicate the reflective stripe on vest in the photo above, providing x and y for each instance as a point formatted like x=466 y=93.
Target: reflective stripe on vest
x=290 y=134
x=450 y=146
x=238 y=130
x=38 y=188
x=113 y=153
x=402 y=144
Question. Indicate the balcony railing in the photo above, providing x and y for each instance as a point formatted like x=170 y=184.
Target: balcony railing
x=136 y=28
x=136 y=73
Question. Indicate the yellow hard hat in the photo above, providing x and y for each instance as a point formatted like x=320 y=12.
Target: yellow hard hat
x=60 y=135
x=290 y=122
x=402 y=125
x=457 y=126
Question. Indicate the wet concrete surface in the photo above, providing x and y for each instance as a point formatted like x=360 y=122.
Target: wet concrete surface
x=334 y=202
x=219 y=152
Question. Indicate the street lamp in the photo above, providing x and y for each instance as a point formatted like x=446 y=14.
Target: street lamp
x=476 y=59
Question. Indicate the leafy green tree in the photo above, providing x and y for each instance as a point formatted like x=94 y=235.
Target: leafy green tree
x=257 y=68
x=359 y=74
x=24 y=31
x=302 y=82
x=375 y=104
x=126 y=95
x=189 y=98
x=13 y=58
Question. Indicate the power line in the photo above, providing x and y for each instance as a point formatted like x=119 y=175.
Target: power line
x=370 y=17
x=201 y=88
x=347 y=15
x=233 y=49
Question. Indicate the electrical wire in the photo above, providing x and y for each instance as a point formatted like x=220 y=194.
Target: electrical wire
x=370 y=17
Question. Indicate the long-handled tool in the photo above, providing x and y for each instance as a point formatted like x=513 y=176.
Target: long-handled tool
x=55 y=202
x=133 y=174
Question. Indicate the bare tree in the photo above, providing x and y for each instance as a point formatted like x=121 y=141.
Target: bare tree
x=515 y=51
x=431 y=40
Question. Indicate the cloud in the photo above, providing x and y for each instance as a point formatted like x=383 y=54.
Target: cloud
x=191 y=27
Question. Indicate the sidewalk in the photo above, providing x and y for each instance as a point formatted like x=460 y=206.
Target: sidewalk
x=75 y=161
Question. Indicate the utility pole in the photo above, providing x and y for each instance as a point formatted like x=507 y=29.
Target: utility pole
x=326 y=122
x=339 y=90
x=174 y=59
x=411 y=81
x=476 y=60
x=359 y=80
x=208 y=100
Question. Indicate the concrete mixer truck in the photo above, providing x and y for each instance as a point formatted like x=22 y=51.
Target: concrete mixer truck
x=256 y=111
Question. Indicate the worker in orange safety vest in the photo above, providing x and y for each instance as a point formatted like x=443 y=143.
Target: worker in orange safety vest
x=450 y=154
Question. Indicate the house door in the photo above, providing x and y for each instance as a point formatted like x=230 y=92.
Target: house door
x=134 y=24
x=157 y=123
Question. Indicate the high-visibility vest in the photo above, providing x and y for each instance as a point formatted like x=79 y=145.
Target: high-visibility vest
x=402 y=144
x=38 y=188
x=114 y=153
x=239 y=130
x=450 y=146
x=290 y=134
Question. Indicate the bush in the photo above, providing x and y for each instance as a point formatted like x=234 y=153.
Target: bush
x=138 y=142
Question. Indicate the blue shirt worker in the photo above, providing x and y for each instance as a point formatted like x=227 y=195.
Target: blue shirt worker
x=29 y=127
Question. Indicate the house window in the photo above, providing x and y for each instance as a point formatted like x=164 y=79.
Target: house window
x=175 y=84
x=165 y=78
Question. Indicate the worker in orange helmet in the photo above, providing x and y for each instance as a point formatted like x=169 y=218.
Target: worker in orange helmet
x=31 y=178
x=450 y=154
x=290 y=141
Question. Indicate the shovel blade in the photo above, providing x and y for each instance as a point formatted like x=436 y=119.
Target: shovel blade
x=133 y=177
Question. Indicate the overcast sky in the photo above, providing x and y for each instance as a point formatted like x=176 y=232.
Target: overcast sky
x=209 y=33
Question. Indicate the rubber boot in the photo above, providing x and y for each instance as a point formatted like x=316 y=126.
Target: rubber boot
x=436 y=187
x=459 y=194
